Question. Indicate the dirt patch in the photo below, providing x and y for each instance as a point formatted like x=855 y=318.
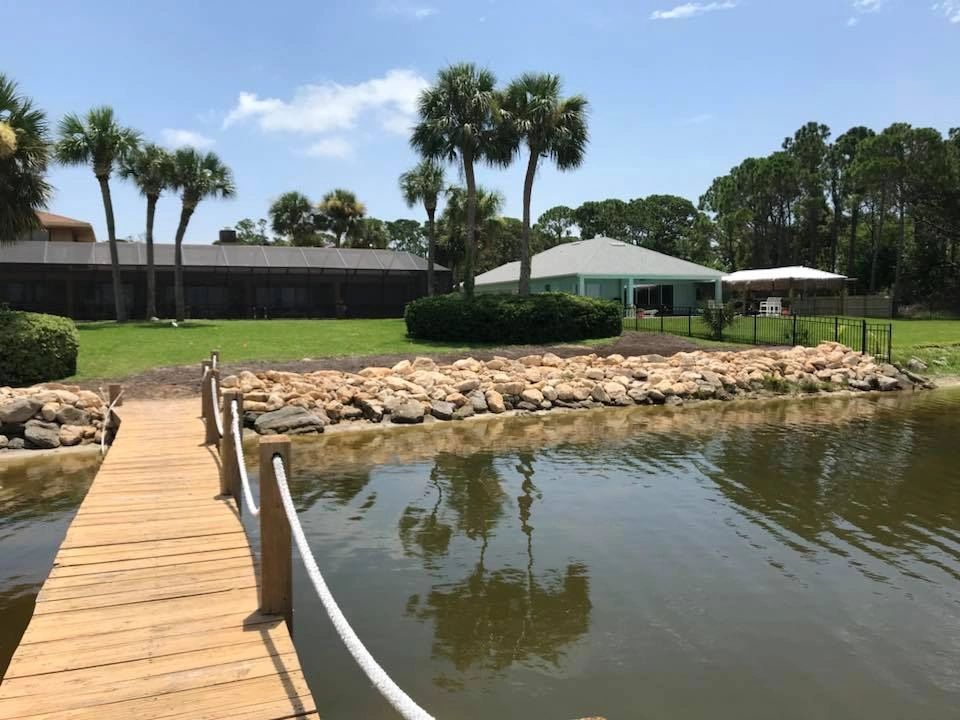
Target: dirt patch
x=184 y=380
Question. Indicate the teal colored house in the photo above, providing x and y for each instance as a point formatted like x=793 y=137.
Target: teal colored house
x=615 y=270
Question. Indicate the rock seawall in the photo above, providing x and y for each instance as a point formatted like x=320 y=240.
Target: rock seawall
x=410 y=391
x=49 y=416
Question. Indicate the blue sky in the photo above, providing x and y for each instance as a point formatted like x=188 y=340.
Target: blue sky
x=316 y=95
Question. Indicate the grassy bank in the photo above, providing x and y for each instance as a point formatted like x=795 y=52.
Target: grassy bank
x=115 y=351
x=935 y=342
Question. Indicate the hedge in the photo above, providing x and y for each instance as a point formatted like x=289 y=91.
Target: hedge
x=542 y=318
x=36 y=348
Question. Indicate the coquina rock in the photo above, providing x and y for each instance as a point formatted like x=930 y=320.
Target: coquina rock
x=411 y=389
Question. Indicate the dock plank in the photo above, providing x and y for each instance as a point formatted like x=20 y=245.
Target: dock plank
x=150 y=610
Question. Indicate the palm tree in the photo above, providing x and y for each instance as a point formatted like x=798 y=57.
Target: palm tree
x=424 y=183
x=196 y=176
x=342 y=212
x=23 y=162
x=457 y=123
x=551 y=127
x=151 y=170
x=98 y=140
x=291 y=215
x=453 y=221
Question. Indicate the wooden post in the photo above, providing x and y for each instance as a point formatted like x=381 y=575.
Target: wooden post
x=276 y=553
x=212 y=407
x=229 y=472
x=114 y=393
x=204 y=387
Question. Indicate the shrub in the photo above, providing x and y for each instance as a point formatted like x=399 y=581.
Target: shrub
x=547 y=317
x=717 y=318
x=36 y=348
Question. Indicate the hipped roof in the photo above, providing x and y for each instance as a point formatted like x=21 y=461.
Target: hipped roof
x=602 y=257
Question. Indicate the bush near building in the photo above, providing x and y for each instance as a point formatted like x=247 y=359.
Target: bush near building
x=510 y=319
x=36 y=348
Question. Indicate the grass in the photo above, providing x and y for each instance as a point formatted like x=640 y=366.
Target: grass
x=108 y=350
x=935 y=342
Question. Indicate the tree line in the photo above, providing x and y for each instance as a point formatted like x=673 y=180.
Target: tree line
x=98 y=140
x=883 y=207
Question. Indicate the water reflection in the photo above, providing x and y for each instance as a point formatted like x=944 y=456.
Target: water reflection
x=38 y=497
x=516 y=615
x=726 y=561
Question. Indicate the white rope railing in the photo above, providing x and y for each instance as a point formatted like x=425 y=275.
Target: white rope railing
x=215 y=393
x=241 y=464
x=106 y=422
x=392 y=692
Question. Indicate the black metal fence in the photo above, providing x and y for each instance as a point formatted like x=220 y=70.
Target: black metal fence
x=873 y=338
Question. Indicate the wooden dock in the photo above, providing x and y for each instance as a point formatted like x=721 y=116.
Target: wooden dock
x=150 y=610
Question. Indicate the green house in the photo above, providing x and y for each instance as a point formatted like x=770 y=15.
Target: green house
x=615 y=270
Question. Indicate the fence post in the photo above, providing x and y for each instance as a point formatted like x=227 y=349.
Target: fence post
x=889 y=342
x=276 y=554
x=755 y=329
x=212 y=407
x=661 y=323
x=795 y=330
x=689 y=322
x=229 y=472
x=863 y=337
x=836 y=329
x=113 y=392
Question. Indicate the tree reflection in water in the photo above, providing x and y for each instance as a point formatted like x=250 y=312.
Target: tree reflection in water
x=493 y=618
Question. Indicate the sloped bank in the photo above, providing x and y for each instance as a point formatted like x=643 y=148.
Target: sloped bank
x=410 y=391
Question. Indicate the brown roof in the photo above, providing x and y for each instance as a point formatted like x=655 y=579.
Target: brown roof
x=49 y=220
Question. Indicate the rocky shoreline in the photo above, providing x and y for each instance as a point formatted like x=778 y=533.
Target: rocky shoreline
x=411 y=392
x=50 y=416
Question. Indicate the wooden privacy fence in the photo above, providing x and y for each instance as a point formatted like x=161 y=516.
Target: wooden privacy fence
x=871 y=306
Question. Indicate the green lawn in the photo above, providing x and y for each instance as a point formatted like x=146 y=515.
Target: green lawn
x=108 y=350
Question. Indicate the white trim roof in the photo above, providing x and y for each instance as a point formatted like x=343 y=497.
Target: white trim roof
x=770 y=275
x=602 y=257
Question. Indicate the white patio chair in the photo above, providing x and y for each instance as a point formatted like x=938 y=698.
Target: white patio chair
x=771 y=307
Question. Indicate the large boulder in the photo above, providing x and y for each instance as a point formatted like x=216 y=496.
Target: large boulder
x=290 y=420
x=71 y=434
x=19 y=410
x=69 y=415
x=443 y=410
x=495 y=402
x=408 y=413
x=3 y=441
x=42 y=435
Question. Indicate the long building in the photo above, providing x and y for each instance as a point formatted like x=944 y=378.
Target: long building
x=220 y=281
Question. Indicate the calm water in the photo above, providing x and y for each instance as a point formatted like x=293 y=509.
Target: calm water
x=38 y=498
x=796 y=560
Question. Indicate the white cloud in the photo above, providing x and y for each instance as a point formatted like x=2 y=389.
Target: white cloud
x=692 y=9
x=335 y=147
x=402 y=8
x=332 y=106
x=864 y=7
x=175 y=137
x=950 y=9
